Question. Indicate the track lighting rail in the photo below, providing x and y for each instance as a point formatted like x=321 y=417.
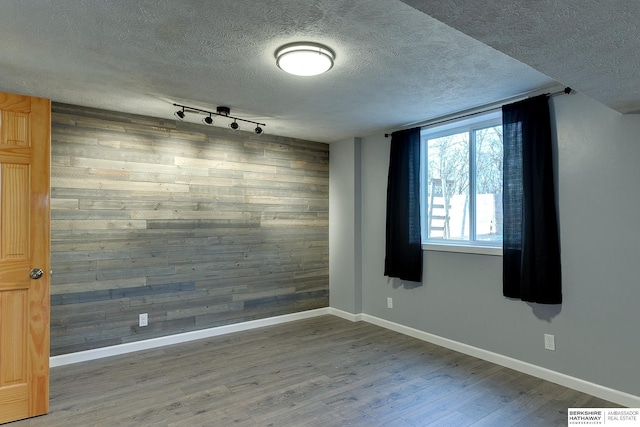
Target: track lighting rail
x=220 y=111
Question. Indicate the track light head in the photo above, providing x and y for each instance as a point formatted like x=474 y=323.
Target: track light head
x=208 y=120
x=234 y=125
x=258 y=130
x=180 y=114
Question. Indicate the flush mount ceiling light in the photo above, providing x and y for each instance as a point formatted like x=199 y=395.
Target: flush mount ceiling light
x=304 y=59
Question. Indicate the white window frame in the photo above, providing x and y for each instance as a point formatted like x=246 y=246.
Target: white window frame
x=479 y=121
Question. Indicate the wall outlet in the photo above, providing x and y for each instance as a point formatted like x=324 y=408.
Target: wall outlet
x=143 y=319
x=389 y=302
x=550 y=342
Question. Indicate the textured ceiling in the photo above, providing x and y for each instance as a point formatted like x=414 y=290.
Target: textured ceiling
x=591 y=45
x=394 y=64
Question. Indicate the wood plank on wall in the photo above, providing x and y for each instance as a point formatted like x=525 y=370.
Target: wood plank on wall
x=197 y=226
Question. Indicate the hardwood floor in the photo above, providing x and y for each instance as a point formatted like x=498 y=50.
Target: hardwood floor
x=324 y=371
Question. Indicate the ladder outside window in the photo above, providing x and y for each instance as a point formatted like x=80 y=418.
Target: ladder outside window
x=439 y=206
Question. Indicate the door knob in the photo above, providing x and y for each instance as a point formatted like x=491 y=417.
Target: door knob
x=36 y=273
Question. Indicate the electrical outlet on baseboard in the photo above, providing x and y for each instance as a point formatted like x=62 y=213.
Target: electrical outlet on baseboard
x=389 y=302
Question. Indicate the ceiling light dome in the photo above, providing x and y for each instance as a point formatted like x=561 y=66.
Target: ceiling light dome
x=304 y=59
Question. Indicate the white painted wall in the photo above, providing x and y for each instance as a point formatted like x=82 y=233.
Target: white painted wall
x=596 y=328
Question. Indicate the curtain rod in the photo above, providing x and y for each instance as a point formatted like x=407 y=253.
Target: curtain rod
x=486 y=109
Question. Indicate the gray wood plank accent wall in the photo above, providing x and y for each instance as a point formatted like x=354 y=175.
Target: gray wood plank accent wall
x=197 y=226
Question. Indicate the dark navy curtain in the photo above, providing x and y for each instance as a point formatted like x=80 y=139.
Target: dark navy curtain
x=531 y=248
x=403 y=245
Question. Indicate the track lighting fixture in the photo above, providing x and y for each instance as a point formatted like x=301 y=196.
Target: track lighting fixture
x=220 y=111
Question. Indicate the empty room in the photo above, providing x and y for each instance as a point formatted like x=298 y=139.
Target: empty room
x=324 y=213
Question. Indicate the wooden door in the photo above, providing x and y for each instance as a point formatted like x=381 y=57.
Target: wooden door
x=25 y=125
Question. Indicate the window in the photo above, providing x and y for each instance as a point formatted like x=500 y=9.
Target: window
x=461 y=194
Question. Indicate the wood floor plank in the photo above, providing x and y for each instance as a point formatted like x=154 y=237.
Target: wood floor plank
x=318 y=372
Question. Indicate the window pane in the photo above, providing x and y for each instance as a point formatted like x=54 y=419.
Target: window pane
x=489 y=183
x=448 y=187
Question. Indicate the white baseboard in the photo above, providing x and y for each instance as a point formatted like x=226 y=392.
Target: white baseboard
x=602 y=392
x=98 y=353
x=346 y=315
x=597 y=390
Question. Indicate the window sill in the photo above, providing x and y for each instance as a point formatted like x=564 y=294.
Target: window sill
x=466 y=249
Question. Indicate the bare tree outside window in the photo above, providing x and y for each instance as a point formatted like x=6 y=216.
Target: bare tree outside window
x=489 y=183
x=448 y=181
x=464 y=185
